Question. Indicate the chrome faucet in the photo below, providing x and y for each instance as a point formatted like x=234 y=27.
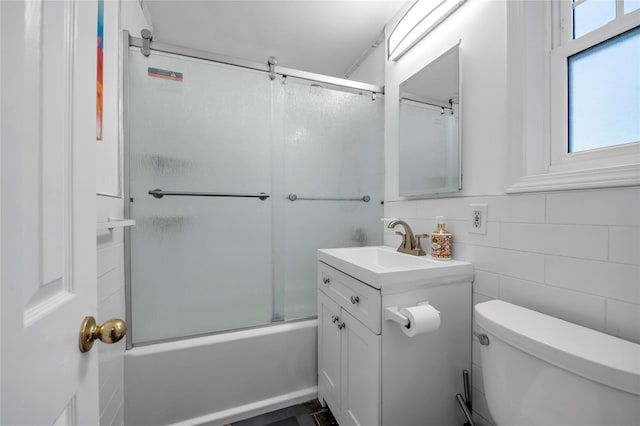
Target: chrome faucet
x=410 y=242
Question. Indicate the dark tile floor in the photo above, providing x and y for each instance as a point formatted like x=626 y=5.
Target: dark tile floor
x=310 y=413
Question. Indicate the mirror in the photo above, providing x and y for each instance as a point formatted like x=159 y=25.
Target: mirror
x=430 y=128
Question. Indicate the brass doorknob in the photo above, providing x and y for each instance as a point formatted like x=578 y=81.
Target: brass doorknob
x=109 y=332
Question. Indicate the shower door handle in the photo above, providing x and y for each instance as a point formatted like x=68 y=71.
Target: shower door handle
x=109 y=332
x=159 y=193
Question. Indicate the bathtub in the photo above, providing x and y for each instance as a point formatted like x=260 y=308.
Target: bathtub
x=218 y=379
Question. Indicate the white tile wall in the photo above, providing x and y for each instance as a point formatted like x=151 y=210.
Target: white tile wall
x=623 y=319
x=602 y=207
x=595 y=277
x=574 y=306
x=111 y=304
x=570 y=254
x=486 y=284
x=586 y=242
x=624 y=244
x=110 y=247
x=509 y=263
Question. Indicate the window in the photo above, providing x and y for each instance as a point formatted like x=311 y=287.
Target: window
x=589 y=15
x=604 y=94
x=595 y=81
x=574 y=68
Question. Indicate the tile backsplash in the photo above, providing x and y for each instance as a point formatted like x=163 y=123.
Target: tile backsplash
x=111 y=304
x=572 y=254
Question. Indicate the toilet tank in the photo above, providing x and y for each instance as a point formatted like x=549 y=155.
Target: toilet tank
x=540 y=370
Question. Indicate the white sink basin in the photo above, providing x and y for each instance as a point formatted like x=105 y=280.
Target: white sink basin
x=383 y=267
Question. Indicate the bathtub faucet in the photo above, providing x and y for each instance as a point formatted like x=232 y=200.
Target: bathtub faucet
x=410 y=242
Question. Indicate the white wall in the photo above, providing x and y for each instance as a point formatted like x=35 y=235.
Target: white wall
x=110 y=260
x=371 y=70
x=573 y=254
x=481 y=25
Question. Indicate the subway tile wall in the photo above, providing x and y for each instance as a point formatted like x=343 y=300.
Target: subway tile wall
x=111 y=304
x=572 y=254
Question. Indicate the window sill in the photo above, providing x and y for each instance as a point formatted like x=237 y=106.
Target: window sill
x=605 y=177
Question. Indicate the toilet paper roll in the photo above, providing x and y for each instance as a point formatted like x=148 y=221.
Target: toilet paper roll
x=422 y=319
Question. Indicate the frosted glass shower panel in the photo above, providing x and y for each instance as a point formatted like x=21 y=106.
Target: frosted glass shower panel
x=198 y=264
x=209 y=131
x=332 y=147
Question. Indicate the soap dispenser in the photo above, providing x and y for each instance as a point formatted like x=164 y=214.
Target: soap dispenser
x=441 y=241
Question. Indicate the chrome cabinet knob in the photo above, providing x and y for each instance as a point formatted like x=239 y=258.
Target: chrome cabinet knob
x=341 y=326
x=335 y=318
x=326 y=280
x=355 y=299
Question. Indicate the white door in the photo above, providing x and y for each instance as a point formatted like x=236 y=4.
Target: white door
x=48 y=252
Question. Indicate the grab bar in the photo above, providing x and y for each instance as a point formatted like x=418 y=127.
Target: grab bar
x=159 y=193
x=294 y=197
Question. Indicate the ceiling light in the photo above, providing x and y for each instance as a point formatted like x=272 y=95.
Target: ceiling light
x=421 y=18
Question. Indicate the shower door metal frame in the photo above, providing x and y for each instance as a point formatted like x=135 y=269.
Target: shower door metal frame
x=126 y=188
x=228 y=60
x=127 y=42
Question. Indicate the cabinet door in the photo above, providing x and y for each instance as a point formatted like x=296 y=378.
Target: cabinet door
x=360 y=373
x=329 y=351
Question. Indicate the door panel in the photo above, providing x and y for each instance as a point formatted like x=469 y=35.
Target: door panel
x=329 y=351
x=45 y=183
x=48 y=211
x=360 y=373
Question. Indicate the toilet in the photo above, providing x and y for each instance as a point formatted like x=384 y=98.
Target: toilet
x=541 y=370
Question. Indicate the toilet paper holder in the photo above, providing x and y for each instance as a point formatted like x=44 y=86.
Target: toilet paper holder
x=392 y=313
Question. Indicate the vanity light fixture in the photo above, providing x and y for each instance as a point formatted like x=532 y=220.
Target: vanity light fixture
x=421 y=18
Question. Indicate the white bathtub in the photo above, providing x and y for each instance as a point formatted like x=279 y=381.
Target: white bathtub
x=223 y=378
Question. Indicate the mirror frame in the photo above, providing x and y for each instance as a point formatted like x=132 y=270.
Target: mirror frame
x=426 y=193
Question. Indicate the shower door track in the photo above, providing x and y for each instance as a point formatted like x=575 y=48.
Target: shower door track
x=228 y=60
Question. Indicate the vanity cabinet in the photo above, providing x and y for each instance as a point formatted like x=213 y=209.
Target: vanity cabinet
x=348 y=362
x=369 y=372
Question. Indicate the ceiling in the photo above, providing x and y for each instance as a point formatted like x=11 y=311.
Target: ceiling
x=326 y=37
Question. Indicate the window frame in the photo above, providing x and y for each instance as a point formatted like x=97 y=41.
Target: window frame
x=565 y=47
x=541 y=121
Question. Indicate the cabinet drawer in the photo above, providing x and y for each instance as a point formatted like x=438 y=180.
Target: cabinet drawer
x=357 y=298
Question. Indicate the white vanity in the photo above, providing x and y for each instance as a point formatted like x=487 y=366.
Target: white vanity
x=369 y=372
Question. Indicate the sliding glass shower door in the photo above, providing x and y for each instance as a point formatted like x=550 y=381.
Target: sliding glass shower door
x=214 y=151
x=198 y=264
x=329 y=152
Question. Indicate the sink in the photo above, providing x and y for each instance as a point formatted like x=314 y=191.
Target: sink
x=379 y=258
x=384 y=268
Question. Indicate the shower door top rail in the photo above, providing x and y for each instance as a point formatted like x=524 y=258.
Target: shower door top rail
x=228 y=60
x=294 y=197
x=159 y=193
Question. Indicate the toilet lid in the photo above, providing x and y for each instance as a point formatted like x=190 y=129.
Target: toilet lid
x=589 y=353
